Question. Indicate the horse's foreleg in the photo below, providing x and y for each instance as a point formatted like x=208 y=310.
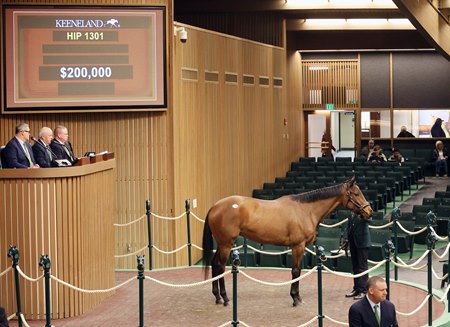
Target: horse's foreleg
x=297 y=256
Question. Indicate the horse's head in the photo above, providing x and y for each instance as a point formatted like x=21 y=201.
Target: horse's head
x=354 y=199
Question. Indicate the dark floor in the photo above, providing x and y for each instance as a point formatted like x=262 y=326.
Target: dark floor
x=258 y=305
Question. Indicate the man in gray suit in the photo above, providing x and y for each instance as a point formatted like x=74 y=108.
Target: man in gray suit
x=373 y=310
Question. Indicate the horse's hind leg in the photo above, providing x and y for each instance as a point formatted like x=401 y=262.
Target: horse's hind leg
x=215 y=272
x=221 y=258
x=297 y=256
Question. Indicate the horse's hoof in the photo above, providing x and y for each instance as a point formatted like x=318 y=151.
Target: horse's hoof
x=297 y=302
x=218 y=301
x=225 y=304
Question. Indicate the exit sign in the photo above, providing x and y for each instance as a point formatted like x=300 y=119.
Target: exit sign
x=329 y=106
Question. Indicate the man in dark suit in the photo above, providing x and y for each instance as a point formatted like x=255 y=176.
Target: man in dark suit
x=61 y=146
x=373 y=310
x=358 y=237
x=18 y=152
x=3 y=318
x=41 y=149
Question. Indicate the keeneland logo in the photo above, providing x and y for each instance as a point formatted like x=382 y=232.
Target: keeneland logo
x=86 y=23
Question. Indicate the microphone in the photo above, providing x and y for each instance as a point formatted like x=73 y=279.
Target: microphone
x=45 y=147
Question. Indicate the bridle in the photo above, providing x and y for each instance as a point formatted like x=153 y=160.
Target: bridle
x=356 y=204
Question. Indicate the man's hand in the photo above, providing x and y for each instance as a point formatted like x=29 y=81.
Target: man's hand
x=344 y=246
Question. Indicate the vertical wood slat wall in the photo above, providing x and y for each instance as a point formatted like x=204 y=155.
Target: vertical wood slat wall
x=330 y=82
x=229 y=137
x=141 y=142
x=54 y=216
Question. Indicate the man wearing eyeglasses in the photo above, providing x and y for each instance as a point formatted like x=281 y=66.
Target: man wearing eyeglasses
x=18 y=152
x=61 y=146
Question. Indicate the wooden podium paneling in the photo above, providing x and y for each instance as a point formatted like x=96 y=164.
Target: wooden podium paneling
x=67 y=213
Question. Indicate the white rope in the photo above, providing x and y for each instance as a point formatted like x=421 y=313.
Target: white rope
x=129 y=254
x=443 y=254
x=189 y=285
x=92 y=291
x=404 y=265
x=226 y=324
x=254 y=249
x=131 y=222
x=310 y=251
x=196 y=217
x=357 y=275
x=336 y=321
x=5 y=271
x=168 y=218
x=373 y=262
x=410 y=232
x=440 y=238
x=308 y=322
x=23 y=320
x=444 y=297
x=281 y=283
x=28 y=278
x=381 y=226
x=11 y=316
x=169 y=252
x=437 y=276
x=417 y=309
x=338 y=255
x=274 y=253
x=334 y=225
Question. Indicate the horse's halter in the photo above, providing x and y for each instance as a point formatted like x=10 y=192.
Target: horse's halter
x=356 y=204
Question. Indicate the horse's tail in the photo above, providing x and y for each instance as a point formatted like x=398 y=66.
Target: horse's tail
x=207 y=246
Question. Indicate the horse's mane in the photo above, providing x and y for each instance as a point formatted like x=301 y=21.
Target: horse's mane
x=319 y=194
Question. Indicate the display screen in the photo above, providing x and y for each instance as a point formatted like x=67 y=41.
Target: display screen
x=83 y=59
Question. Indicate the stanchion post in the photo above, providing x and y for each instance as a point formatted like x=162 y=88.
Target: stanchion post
x=44 y=262
x=245 y=252
x=149 y=232
x=235 y=270
x=189 y=244
x=431 y=240
x=395 y=215
x=141 y=277
x=13 y=253
x=320 y=256
x=389 y=248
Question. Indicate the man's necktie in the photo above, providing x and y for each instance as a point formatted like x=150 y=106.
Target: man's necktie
x=27 y=154
x=68 y=152
x=49 y=152
x=377 y=316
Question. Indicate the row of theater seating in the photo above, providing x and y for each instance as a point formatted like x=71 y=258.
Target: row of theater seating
x=380 y=184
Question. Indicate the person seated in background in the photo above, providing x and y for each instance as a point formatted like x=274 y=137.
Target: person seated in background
x=377 y=155
x=396 y=156
x=404 y=132
x=436 y=129
x=439 y=157
x=367 y=150
x=41 y=148
x=61 y=146
x=18 y=152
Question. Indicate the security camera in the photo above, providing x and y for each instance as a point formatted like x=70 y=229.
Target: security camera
x=182 y=33
x=183 y=36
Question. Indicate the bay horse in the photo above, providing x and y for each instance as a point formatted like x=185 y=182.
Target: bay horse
x=290 y=220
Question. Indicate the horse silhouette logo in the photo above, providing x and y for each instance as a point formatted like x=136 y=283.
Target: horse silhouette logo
x=112 y=23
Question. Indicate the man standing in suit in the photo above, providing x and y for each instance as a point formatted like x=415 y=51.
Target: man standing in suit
x=18 y=152
x=61 y=146
x=373 y=310
x=41 y=149
x=3 y=318
x=358 y=237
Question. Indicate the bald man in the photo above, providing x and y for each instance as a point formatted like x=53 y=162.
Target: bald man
x=41 y=149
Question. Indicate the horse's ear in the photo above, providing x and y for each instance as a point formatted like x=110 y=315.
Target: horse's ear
x=351 y=181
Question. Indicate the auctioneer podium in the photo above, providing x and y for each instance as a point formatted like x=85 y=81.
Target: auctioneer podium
x=67 y=213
